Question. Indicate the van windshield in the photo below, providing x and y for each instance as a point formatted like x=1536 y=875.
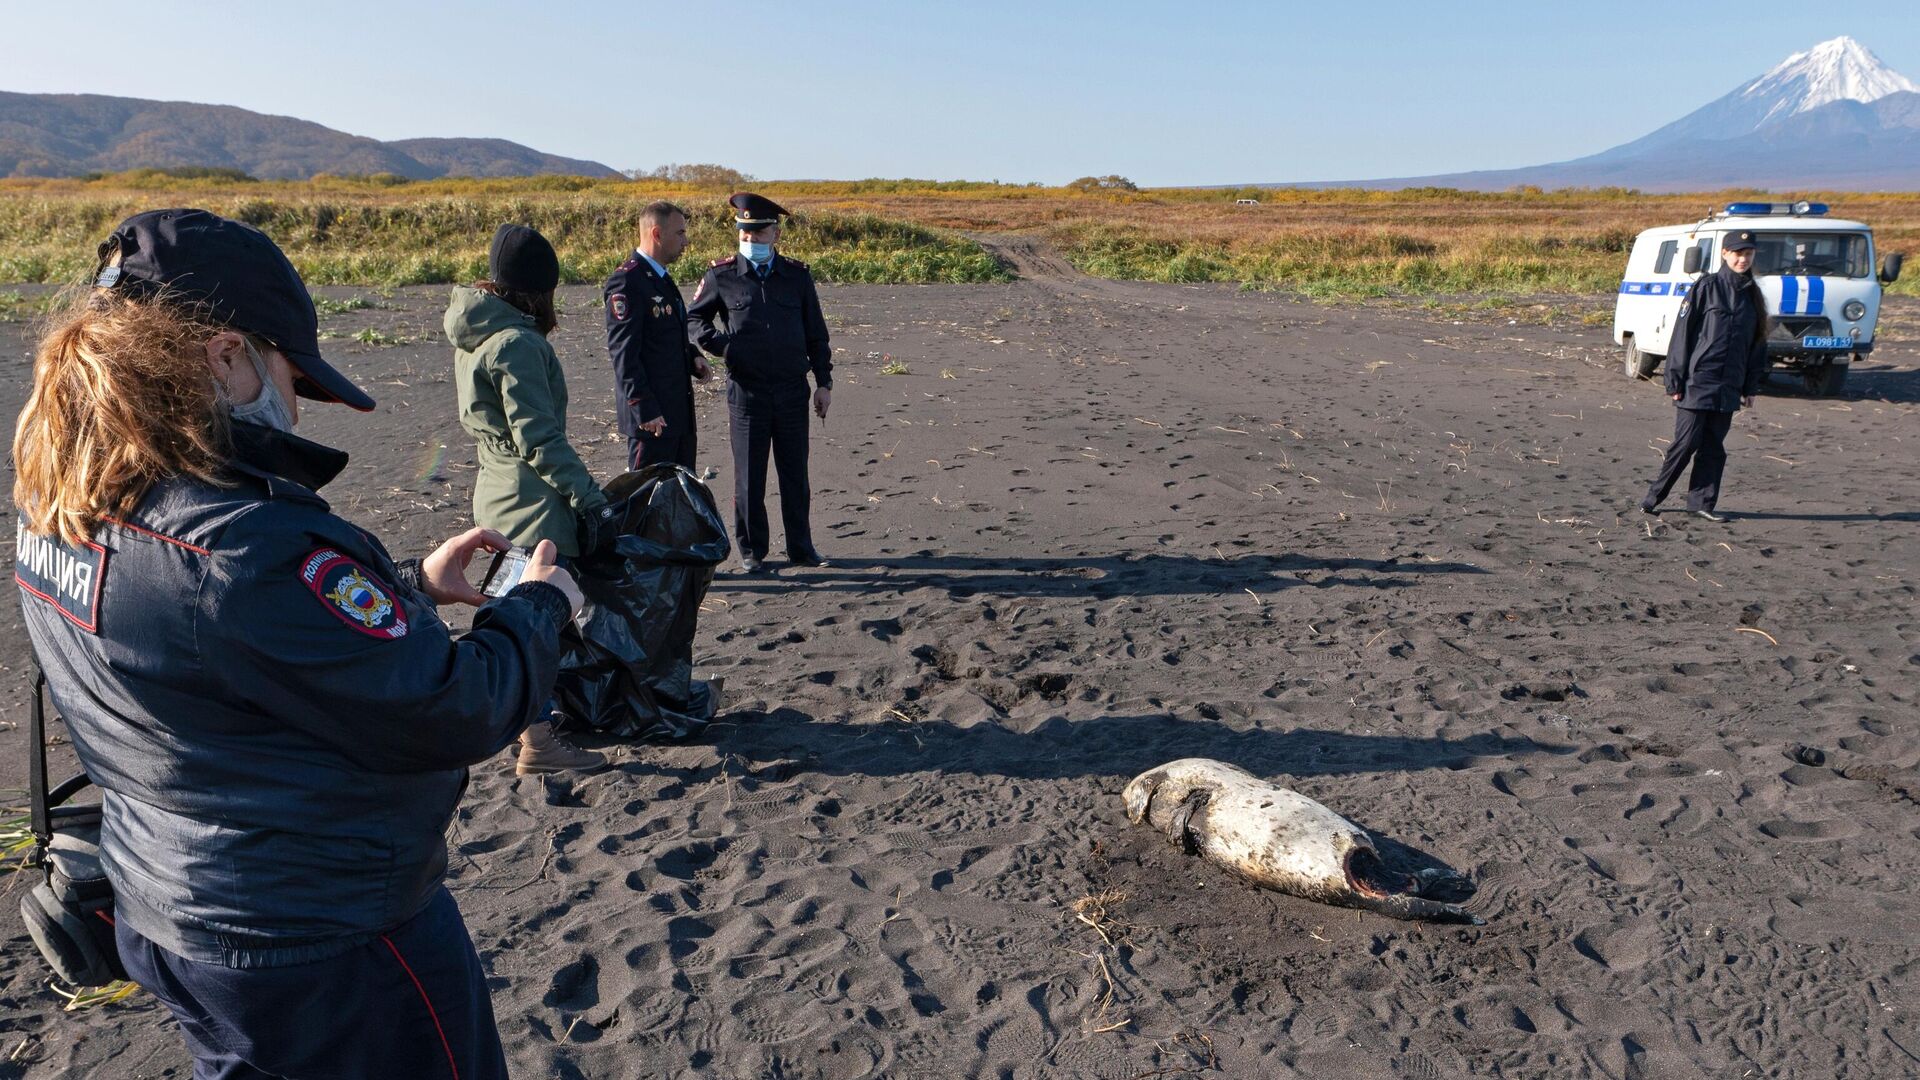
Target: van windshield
x=1812 y=254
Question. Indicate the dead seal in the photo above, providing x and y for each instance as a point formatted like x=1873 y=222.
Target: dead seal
x=1282 y=840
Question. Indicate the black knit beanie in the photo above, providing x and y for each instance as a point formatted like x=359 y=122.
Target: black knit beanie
x=522 y=260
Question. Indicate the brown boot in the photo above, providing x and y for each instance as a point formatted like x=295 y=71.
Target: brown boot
x=542 y=751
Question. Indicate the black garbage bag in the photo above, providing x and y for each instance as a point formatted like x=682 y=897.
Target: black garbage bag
x=626 y=664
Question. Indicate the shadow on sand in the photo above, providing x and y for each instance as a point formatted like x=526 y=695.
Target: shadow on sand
x=777 y=745
x=1865 y=382
x=1097 y=575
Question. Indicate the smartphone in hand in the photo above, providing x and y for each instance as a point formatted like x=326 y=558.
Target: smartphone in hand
x=505 y=571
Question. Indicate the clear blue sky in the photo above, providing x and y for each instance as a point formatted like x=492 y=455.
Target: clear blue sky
x=1164 y=93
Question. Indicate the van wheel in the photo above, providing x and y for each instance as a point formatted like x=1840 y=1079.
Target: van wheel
x=1827 y=380
x=1639 y=364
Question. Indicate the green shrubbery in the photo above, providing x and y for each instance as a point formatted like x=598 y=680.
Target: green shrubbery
x=415 y=239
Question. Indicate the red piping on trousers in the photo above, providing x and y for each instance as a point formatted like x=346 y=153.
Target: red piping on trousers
x=448 y=1047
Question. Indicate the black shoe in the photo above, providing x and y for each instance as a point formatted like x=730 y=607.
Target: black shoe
x=1650 y=509
x=751 y=565
x=1708 y=515
x=807 y=558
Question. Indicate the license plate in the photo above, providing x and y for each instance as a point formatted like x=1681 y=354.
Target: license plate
x=1813 y=342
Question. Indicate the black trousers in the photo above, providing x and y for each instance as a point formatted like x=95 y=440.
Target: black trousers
x=1699 y=437
x=675 y=447
x=764 y=419
x=413 y=1002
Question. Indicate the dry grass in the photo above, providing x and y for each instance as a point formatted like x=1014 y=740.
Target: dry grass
x=1320 y=243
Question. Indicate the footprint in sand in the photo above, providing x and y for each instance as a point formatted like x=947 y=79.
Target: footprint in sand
x=1622 y=946
x=1810 y=831
x=1624 y=865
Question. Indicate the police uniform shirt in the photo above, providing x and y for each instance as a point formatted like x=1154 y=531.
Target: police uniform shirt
x=1718 y=353
x=648 y=343
x=279 y=719
x=768 y=325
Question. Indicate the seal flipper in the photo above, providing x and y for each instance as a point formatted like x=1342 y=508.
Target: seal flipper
x=1180 y=825
x=1403 y=906
x=1372 y=886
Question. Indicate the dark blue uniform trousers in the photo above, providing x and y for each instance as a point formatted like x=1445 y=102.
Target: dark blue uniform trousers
x=776 y=419
x=1698 y=436
x=410 y=1003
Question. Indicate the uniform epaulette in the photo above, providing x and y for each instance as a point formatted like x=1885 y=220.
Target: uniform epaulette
x=728 y=261
x=797 y=263
x=626 y=266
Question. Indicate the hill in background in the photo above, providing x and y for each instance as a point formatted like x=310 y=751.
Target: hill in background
x=75 y=134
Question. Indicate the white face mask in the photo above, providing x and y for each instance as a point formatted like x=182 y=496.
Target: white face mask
x=267 y=410
x=755 y=253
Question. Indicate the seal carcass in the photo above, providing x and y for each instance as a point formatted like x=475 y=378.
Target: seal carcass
x=1282 y=840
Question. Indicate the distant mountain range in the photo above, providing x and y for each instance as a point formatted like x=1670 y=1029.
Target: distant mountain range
x=72 y=134
x=1831 y=118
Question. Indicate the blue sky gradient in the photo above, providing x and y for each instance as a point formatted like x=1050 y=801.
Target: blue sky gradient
x=1164 y=93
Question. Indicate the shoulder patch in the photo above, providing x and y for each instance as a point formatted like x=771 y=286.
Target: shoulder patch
x=728 y=261
x=617 y=307
x=67 y=577
x=353 y=594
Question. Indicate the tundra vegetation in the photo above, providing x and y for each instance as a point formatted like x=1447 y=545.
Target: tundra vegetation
x=387 y=231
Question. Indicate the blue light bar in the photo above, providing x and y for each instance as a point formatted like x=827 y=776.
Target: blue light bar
x=1760 y=209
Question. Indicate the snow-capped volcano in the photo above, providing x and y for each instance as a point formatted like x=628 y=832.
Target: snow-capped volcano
x=1830 y=118
x=1838 y=70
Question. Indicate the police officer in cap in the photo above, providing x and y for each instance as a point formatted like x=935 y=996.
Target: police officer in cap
x=648 y=342
x=759 y=311
x=1716 y=361
x=279 y=719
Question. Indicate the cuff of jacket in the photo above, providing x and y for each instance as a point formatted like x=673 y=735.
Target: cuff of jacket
x=548 y=599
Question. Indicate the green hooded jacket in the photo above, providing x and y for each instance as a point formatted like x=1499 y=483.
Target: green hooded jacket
x=513 y=401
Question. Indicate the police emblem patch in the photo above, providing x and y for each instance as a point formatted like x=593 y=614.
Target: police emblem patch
x=353 y=594
x=617 y=304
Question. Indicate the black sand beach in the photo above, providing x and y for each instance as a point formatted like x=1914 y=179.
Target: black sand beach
x=1387 y=558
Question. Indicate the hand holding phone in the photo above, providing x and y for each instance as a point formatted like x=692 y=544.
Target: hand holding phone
x=507 y=569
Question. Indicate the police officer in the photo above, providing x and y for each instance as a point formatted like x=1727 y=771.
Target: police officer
x=1716 y=361
x=279 y=720
x=647 y=339
x=760 y=312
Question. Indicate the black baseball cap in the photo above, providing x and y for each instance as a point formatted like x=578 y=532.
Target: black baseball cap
x=241 y=277
x=1738 y=241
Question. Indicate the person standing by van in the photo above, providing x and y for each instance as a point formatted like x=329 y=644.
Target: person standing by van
x=1715 y=364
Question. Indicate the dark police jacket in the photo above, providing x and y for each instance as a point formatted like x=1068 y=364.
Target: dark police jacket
x=652 y=353
x=1718 y=353
x=774 y=330
x=280 y=724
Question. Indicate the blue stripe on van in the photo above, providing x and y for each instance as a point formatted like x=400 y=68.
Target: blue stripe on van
x=1645 y=288
x=1789 y=294
x=1816 y=296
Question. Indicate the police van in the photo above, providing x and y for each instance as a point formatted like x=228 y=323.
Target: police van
x=1816 y=273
